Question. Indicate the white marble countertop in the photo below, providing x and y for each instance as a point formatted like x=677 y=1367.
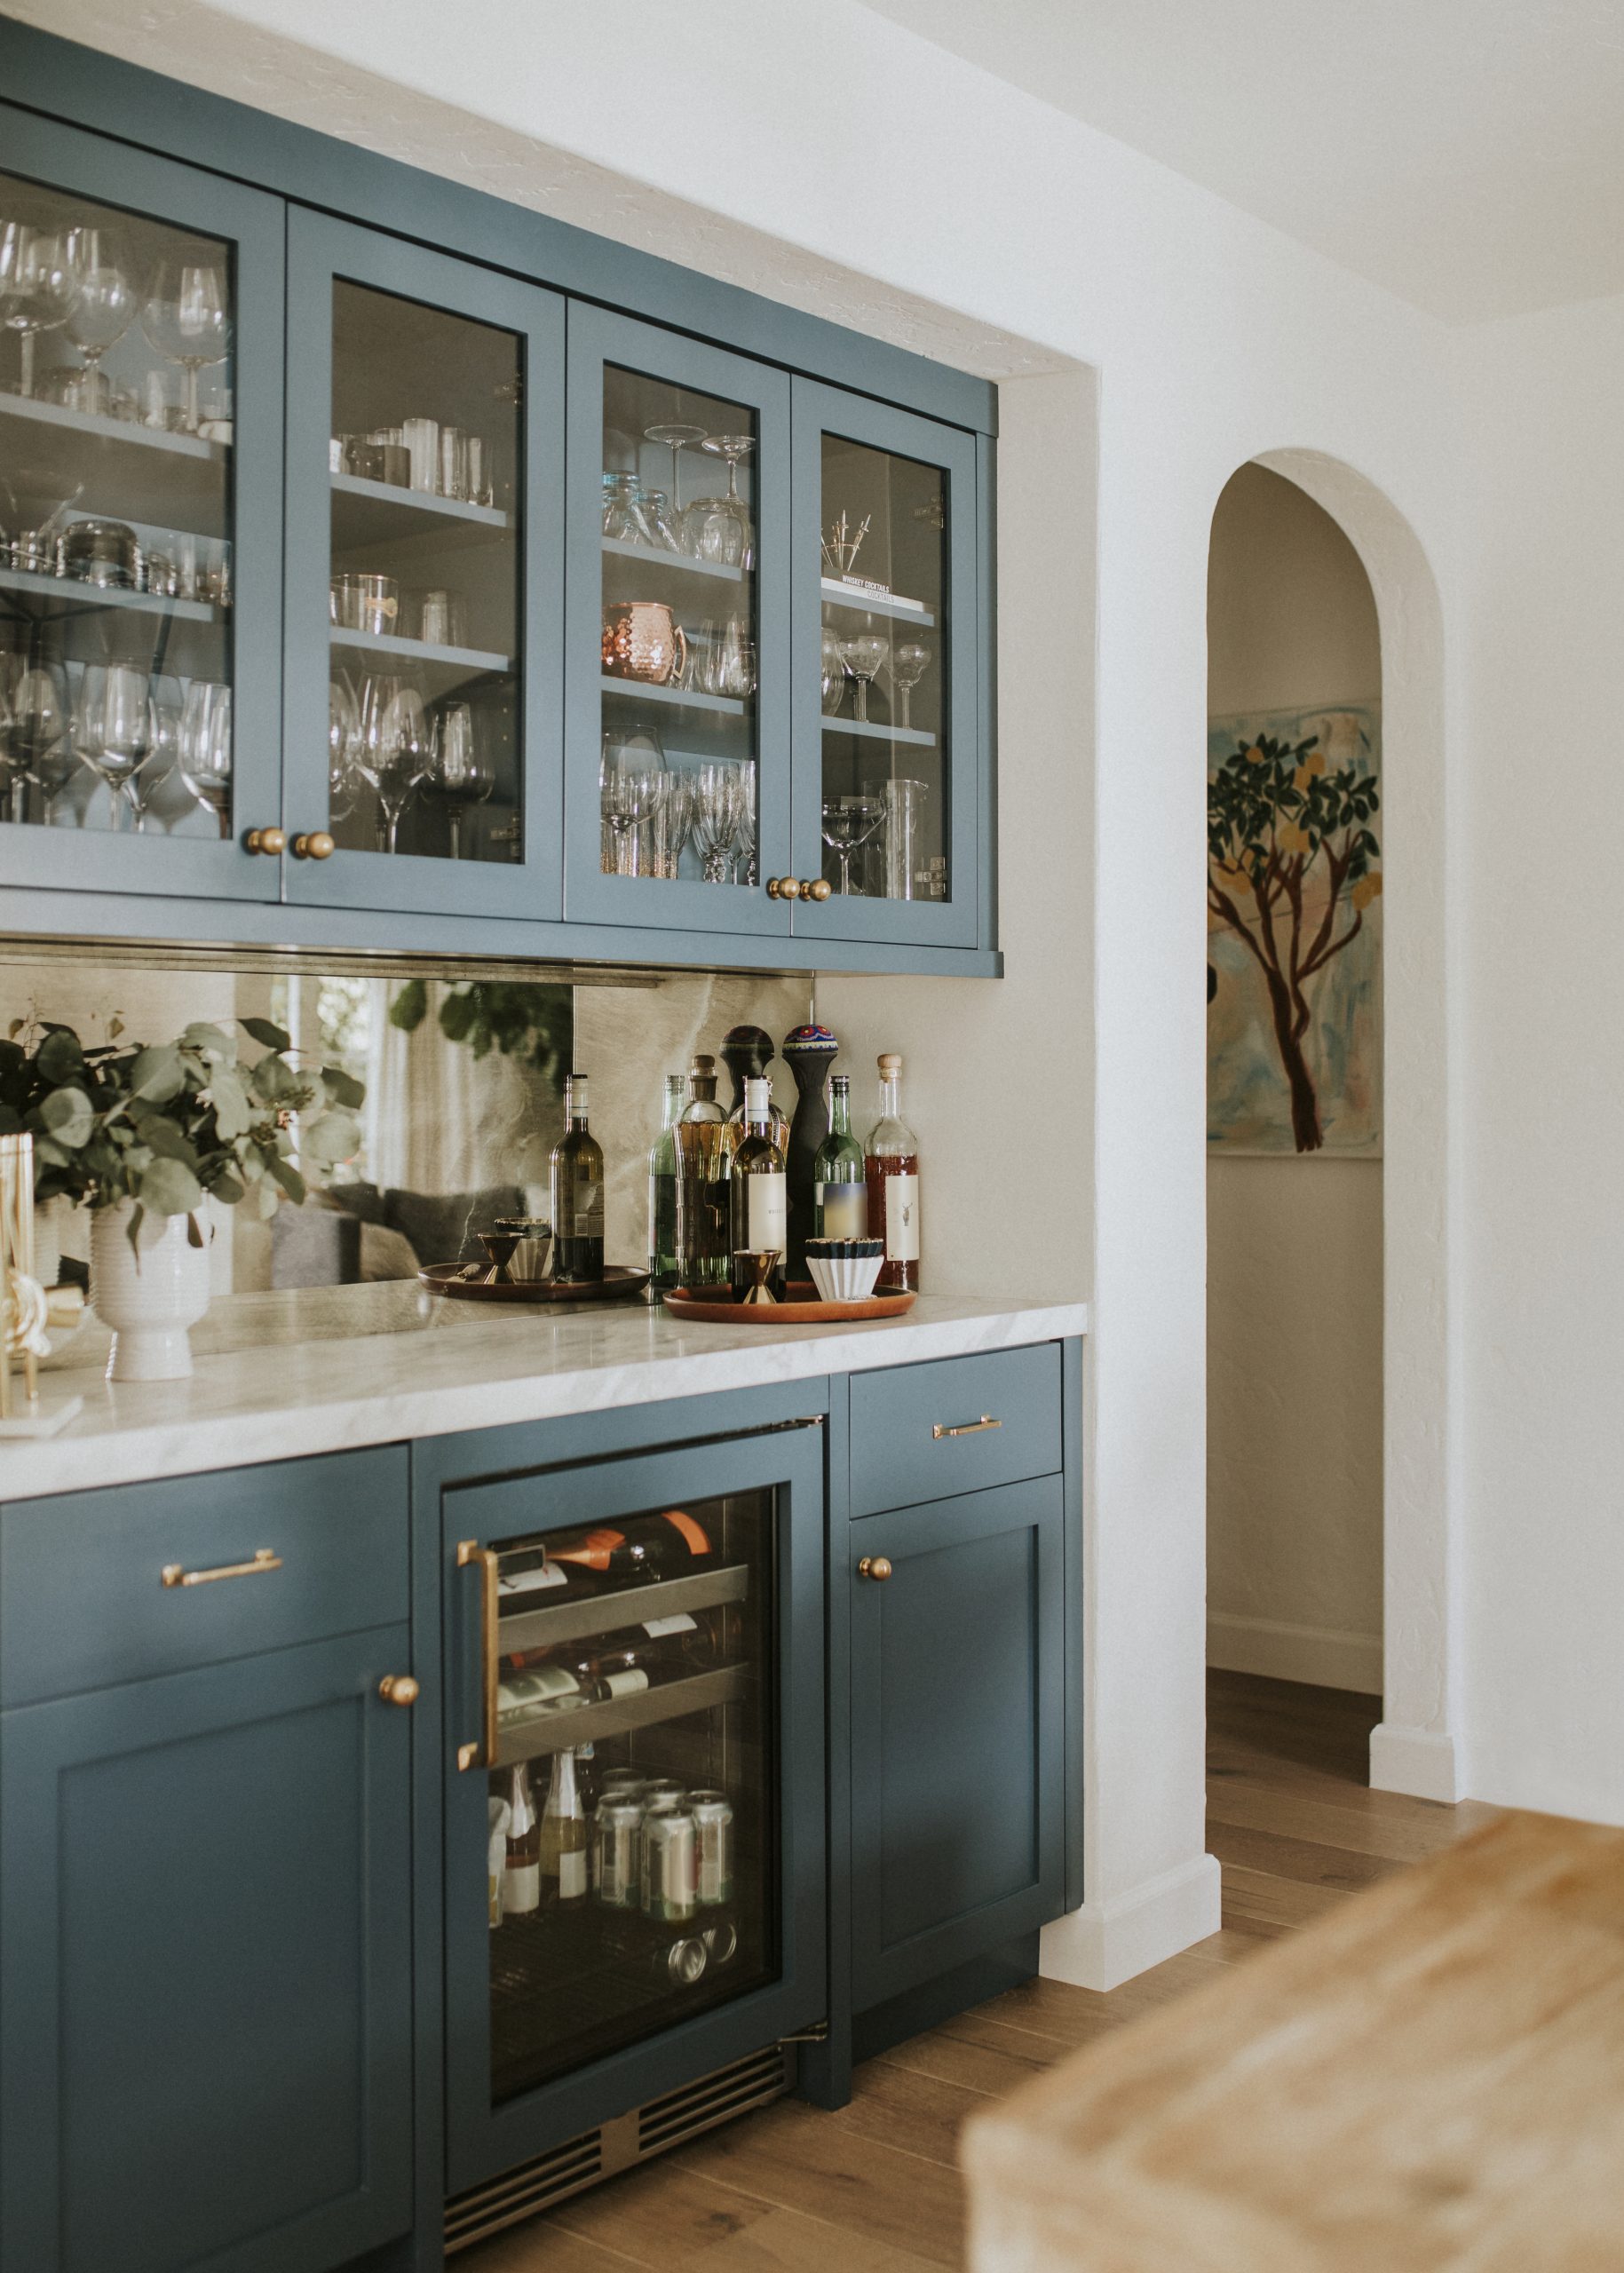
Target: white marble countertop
x=319 y=1370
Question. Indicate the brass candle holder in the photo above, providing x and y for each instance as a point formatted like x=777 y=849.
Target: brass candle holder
x=26 y=1308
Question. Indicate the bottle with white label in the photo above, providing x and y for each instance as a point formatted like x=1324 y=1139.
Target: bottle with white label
x=758 y=1197
x=892 y=1161
x=840 y=1194
x=521 y=1873
x=563 y=1840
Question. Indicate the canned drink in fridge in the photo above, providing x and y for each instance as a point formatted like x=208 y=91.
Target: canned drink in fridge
x=669 y=1865
x=713 y=1821
x=681 y=1963
x=617 y=1852
x=721 y=1941
x=662 y=1792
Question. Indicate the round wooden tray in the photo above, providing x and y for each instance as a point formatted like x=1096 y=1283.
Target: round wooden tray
x=804 y=1306
x=619 y=1281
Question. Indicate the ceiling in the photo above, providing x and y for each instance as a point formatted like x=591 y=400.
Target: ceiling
x=1467 y=154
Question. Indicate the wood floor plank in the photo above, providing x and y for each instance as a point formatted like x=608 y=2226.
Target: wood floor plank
x=786 y=2241
x=659 y=2217
x=539 y=2246
x=985 y=2059
x=1301 y=1859
x=1258 y=1898
x=902 y=2107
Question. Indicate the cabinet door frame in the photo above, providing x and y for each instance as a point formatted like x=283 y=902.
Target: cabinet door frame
x=77 y=163
x=881 y=1970
x=597 y=337
x=320 y=251
x=483 y=2140
x=818 y=409
x=38 y=1743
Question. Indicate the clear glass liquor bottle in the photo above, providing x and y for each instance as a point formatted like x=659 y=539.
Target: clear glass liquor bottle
x=892 y=1161
x=840 y=1194
x=577 y=1180
x=662 y=1189
x=564 y=1834
x=522 y=1881
x=758 y=1201
x=704 y=1159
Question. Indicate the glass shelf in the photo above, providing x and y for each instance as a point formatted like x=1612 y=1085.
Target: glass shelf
x=676 y=564
x=676 y=698
x=871 y=730
x=422 y=650
x=135 y=473
x=373 y=512
x=545 y=1733
x=856 y=599
x=68 y=597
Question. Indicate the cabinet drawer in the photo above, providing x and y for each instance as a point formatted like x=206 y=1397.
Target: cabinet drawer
x=83 y=1603
x=904 y=1445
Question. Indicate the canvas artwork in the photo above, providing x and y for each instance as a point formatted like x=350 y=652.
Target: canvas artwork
x=1294 y=934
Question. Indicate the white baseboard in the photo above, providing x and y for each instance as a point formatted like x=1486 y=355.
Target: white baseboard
x=1325 y=1655
x=1417 y=1760
x=1105 y=1943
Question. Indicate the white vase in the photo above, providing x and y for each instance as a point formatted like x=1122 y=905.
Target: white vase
x=149 y=1303
x=48 y=1242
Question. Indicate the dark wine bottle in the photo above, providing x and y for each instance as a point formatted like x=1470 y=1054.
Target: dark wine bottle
x=663 y=1190
x=577 y=1180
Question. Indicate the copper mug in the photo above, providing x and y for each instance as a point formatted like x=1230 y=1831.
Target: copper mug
x=642 y=639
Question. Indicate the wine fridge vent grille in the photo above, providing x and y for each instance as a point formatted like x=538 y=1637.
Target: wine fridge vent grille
x=729 y=2091
x=520 y=2193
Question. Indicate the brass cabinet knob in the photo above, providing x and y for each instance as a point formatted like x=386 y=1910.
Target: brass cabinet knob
x=873 y=1566
x=817 y=888
x=399 y=1688
x=316 y=846
x=783 y=888
x=265 y=840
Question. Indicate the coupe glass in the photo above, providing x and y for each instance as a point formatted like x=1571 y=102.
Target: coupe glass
x=394 y=748
x=849 y=822
x=205 y=753
x=33 y=722
x=113 y=728
x=460 y=773
x=675 y=434
x=864 y=656
x=910 y=659
x=37 y=287
x=104 y=308
x=187 y=318
x=719 y=530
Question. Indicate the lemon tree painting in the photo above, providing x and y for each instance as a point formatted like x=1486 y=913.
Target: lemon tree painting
x=1294 y=933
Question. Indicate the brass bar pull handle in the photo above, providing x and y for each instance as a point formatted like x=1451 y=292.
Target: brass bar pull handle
x=176 y=1574
x=966 y=1427
x=470 y=1556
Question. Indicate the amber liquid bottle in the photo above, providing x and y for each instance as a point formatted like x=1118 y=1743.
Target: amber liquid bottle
x=704 y=1155
x=890 y=1166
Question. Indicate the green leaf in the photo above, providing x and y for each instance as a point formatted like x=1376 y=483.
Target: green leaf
x=288 y=1176
x=262 y=1030
x=157 y=1076
x=274 y=1081
x=194 y=1236
x=227 y=1189
x=132 y=1231
x=329 y=1138
x=59 y=1056
x=231 y=1113
x=161 y=1135
x=410 y=1006
x=343 y=1088
x=209 y=1041
x=68 y=1115
x=169 y=1188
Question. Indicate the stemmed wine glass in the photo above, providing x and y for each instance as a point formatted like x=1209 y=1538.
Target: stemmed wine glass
x=343 y=740
x=864 y=656
x=204 y=756
x=671 y=821
x=113 y=728
x=676 y=434
x=38 y=287
x=394 y=749
x=104 y=308
x=849 y=823
x=460 y=773
x=834 y=672
x=910 y=658
x=33 y=718
x=630 y=793
x=719 y=528
x=187 y=318
x=167 y=708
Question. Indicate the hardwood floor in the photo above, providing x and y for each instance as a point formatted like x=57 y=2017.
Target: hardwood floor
x=875 y=2188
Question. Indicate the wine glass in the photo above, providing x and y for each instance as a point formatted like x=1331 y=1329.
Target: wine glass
x=104 y=308
x=187 y=318
x=732 y=662
x=910 y=659
x=460 y=773
x=631 y=791
x=675 y=434
x=718 y=814
x=204 y=756
x=625 y=517
x=864 y=656
x=670 y=823
x=718 y=529
x=33 y=717
x=113 y=728
x=833 y=673
x=342 y=739
x=167 y=705
x=849 y=822
x=657 y=512
x=394 y=748
x=38 y=287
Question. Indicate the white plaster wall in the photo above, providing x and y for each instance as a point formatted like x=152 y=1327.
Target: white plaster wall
x=984 y=226
x=1294 y=1255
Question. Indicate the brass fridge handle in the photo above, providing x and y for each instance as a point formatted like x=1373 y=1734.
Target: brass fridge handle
x=966 y=1428
x=176 y=1574
x=470 y=1556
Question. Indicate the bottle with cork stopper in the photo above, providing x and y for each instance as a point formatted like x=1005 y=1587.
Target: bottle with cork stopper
x=890 y=1166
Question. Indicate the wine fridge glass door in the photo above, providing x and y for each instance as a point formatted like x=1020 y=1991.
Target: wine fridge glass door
x=644 y=1824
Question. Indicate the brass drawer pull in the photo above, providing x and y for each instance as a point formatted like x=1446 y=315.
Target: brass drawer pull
x=176 y=1574
x=471 y=1556
x=966 y=1427
x=876 y=1567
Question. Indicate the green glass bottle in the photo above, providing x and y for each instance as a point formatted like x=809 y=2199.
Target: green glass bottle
x=840 y=1191
x=577 y=1178
x=662 y=1189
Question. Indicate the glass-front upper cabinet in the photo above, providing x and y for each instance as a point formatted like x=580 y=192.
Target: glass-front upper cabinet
x=141 y=455
x=425 y=450
x=886 y=826
x=677 y=796
x=634 y=1835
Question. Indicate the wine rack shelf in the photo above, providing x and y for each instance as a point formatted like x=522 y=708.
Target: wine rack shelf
x=575 y=1621
x=550 y=1732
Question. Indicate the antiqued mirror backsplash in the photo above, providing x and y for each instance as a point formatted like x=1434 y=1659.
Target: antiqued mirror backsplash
x=461 y=1099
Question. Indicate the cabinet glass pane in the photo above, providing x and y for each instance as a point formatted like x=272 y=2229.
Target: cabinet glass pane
x=886 y=777
x=633 y=1819
x=424 y=751
x=679 y=778
x=115 y=519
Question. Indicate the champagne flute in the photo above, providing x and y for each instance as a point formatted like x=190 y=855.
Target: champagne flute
x=187 y=318
x=460 y=773
x=103 y=311
x=204 y=756
x=864 y=656
x=37 y=287
x=910 y=658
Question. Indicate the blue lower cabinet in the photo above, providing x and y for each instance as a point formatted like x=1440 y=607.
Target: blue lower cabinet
x=958 y=1684
x=205 y=1935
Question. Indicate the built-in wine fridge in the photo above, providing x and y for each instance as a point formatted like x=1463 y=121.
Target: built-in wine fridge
x=634 y=1830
